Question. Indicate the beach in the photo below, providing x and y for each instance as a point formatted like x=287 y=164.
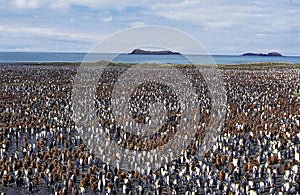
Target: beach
x=257 y=151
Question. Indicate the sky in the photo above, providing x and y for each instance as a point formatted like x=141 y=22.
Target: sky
x=221 y=26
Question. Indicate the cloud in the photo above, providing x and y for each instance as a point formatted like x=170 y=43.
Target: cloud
x=92 y=4
x=105 y=16
x=137 y=24
x=45 y=32
x=219 y=14
x=107 y=19
x=67 y=4
x=16 y=38
x=222 y=26
x=234 y=24
x=26 y=4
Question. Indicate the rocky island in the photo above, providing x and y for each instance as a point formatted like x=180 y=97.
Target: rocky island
x=145 y=52
x=263 y=54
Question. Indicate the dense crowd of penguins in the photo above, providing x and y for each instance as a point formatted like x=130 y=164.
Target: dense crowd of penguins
x=41 y=151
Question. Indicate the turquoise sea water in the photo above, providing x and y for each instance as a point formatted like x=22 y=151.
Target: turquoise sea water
x=13 y=57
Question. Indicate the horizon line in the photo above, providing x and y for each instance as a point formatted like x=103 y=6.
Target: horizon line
x=84 y=52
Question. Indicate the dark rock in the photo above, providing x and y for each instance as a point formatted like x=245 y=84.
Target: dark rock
x=274 y=54
x=145 y=52
x=262 y=54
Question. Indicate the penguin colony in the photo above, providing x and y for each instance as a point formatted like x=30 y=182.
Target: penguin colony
x=41 y=151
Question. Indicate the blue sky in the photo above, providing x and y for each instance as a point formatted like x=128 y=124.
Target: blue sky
x=222 y=26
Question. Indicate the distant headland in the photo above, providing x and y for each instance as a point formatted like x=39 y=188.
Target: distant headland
x=145 y=52
x=263 y=54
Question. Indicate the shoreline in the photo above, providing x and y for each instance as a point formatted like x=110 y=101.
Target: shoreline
x=242 y=66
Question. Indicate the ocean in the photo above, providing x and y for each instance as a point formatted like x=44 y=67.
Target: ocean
x=14 y=57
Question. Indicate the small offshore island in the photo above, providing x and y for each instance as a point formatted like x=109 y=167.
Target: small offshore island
x=263 y=54
x=145 y=52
